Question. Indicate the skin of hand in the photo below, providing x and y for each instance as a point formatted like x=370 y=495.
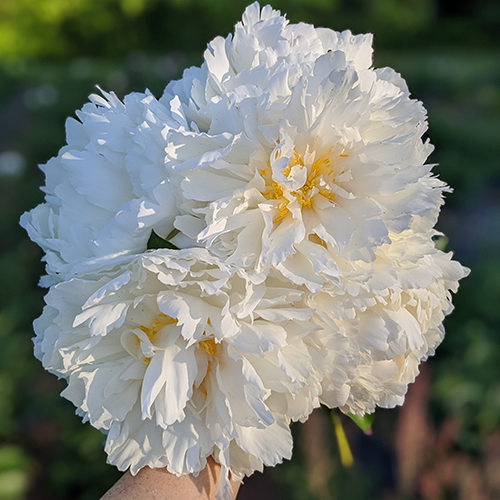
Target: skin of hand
x=159 y=484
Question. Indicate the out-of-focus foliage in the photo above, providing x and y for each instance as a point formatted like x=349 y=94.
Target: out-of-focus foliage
x=59 y=28
x=14 y=464
x=54 y=52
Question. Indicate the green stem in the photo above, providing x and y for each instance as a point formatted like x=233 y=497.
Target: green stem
x=345 y=453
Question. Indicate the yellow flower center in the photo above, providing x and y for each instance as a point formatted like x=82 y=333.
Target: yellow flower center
x=208 y=345
x=320 y=176
x=158 y=323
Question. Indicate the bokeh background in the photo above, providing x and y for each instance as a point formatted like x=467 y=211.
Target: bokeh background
x=444 y=444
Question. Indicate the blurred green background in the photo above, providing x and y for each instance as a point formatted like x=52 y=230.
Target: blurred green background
x=445 y=442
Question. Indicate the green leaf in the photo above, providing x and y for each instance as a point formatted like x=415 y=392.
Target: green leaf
x=364 y=423
x=156 y=241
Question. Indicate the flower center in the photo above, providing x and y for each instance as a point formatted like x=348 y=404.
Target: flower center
x=158 y=323
x=274 y=192
x=319 y=180
x=208 y=345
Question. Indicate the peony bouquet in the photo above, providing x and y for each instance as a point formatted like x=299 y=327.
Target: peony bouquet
x=255 y=243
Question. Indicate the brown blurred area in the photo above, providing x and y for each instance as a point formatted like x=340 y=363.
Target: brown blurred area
x=425 y=461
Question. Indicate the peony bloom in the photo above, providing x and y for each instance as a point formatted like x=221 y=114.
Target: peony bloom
x=284 y=142
x=107 y=188
x=291 y=177
x=177 y=356
x=385 y=319
x=289 y=147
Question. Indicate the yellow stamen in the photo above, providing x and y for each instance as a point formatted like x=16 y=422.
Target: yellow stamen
x=320 y=169
x=158 y=323
x=208 y=345
x=274 y=192
x=319 y=177
x=294 y=160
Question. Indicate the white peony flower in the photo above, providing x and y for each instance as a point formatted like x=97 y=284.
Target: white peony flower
x=384 y=319
x=177 y=356
x=288 y=142
x=283 y=145
x=107 y=188
x=300 y=172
